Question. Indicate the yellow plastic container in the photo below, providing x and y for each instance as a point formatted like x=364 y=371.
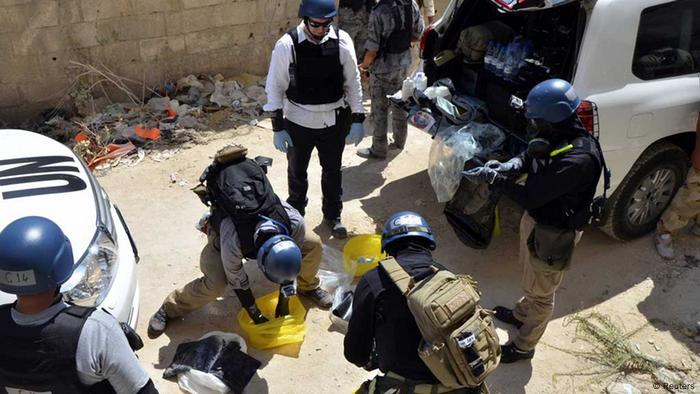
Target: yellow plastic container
x=363 y=251
x=277 y=332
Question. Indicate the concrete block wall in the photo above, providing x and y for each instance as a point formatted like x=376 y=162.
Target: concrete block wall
x=155 y=40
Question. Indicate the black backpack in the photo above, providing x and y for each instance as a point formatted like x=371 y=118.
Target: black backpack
x=240 y=190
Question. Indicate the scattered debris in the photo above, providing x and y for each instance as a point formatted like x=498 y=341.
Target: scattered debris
x=610 y=350
x=153 y=119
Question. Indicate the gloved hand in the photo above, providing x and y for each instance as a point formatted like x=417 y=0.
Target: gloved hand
x=481 y=175
x=256 y=315
x=282 y=140
x=513 y=165
x=357 y=132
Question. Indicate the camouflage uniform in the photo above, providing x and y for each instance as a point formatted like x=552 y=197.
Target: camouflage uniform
x=355 y=24
x=386 y=76
x=684 y=207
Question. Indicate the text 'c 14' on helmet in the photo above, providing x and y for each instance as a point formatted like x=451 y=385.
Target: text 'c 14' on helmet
x=279 y=258
x=35 y=256
x=407 y=224
x=553 y=101
x=322 y=9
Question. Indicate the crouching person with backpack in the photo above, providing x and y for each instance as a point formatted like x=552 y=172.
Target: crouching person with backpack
x=393 y=326
x=247 y=221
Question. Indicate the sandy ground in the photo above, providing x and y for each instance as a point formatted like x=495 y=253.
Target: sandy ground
x=626 y=281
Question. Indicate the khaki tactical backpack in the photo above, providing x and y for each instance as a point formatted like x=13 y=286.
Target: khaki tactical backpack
x=460 y=345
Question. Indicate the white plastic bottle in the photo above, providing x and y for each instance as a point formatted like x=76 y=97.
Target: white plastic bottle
x=421 y=81
x=407 y=88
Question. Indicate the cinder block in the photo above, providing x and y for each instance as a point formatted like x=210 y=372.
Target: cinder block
x=174 y=23
x=82 y=35
x=211 y=39
x=9 y=95
x=7 y=3
x=131 y=28
x=200 y=19
x=44 y=89
x=240 y=12
x=38 y=41
x=12 y=18
x=6 y=47
x=154 y=6
x=19 y=69
x=163 y=47
x=117 y=53
x=104 y=9
x=42 y=13
x=69 y=12
x=200 y=3
x=57 y=64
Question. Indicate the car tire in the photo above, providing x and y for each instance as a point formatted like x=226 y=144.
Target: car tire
x=646 y=191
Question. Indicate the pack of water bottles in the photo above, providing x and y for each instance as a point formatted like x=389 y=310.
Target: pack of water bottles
x=505 y=60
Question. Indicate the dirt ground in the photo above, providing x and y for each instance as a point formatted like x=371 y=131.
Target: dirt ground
x=624 y=280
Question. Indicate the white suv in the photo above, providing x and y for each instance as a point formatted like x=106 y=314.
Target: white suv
x=634 y=62
x=41 y=177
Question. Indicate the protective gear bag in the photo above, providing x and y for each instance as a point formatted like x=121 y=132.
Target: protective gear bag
x=236 y=186
x=472 y=211
x=221 y=356
x=399 y=40
x=460 y=345
x=42 y=358
x=473 y=41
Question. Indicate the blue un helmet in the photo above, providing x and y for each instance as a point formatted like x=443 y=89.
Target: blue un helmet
x=317 y=9
x=279 y=258
x=553 y=101
x=407 y=224
x=35 y=256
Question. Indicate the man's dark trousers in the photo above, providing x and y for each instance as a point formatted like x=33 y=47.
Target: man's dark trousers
x=330 y=143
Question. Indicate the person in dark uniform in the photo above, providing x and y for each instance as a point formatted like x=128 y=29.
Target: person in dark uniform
x=382 y=332
x=47 y=345
x=563 y=163
x=313 y=89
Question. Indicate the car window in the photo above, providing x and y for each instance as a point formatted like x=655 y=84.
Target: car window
x=668 y=40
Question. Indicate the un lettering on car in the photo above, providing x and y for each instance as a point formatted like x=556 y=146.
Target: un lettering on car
x=33 y=170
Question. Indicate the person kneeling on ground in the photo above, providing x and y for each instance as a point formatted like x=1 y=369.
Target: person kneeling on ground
x=246 y=224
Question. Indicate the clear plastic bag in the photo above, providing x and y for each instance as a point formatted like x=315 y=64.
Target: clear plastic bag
x=452 y=147
x=341 y=310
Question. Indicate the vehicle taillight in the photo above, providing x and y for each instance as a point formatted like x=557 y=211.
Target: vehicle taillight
x=424 y=37
x=588 y=114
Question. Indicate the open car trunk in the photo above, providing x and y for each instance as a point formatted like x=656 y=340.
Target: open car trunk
x=552 y=36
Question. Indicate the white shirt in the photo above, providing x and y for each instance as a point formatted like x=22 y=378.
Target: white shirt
x=312 y=116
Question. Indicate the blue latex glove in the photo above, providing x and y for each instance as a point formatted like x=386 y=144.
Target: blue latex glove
x=357 y=132
x=481 y=175
x=282 y=140
x=513 y=165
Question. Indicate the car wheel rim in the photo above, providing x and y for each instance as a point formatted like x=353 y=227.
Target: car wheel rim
x=652 y=196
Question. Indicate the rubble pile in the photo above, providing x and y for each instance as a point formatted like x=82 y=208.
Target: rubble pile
x=107 y=134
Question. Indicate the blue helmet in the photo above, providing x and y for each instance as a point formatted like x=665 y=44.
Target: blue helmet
x=317 y=9
x=279 y=258
x=407 y=224
x=553 y=101
x=35 y=256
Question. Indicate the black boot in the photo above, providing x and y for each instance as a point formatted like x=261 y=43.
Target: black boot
x=337 y=229
x=511 y=353
x=506 y=315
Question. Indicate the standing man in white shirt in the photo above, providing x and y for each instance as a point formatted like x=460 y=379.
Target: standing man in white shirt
x=313 y=88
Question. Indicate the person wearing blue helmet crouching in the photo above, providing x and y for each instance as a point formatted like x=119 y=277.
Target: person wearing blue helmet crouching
x=314 y=93
x=563 y=163
x=47 y=345
x=382 y=332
